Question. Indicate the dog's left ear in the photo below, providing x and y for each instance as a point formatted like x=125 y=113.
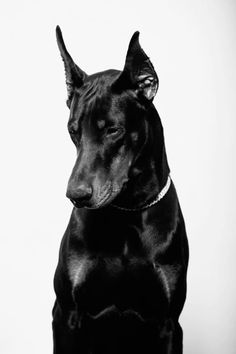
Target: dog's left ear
x=138 y=73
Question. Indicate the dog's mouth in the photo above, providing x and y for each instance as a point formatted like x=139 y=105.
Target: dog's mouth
x=103 y=197
x=108 y=194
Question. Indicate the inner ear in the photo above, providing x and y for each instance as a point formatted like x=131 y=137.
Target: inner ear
x=147 y=86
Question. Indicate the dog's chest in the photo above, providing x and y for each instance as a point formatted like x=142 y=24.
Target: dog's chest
x=100 y=268
x=111 y=260
x=122 y=280
x=125 y=281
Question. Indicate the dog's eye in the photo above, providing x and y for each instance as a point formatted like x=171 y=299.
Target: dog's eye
x=72 y=131
x=114 y=131
x=74 y=135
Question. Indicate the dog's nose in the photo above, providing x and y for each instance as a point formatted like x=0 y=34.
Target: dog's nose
x=79 y=195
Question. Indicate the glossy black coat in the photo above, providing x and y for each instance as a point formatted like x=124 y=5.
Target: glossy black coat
x=120 y=282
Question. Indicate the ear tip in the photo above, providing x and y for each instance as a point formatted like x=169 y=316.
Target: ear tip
x=134 y=41
x=135 y=36
x=58 y=31
x=60 y=40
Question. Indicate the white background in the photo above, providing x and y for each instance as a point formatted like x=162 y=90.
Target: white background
x=192 y=46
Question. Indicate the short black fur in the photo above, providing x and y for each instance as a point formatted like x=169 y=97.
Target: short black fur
x=120 y=282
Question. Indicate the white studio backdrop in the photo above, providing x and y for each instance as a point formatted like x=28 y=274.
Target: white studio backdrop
x=192 y=46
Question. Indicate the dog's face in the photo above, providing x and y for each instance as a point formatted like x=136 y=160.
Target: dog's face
x=107 y=124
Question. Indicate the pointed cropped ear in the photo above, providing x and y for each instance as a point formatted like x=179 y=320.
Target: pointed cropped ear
x=74 y=75
x=138 y=72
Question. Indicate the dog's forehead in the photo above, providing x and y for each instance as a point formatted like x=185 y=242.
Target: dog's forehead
x=94 y=99
x=102 y=79
x=97 y=85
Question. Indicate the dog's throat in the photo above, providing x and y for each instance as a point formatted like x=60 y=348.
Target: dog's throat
x=153 y=202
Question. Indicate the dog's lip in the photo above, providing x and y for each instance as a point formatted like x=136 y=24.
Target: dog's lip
x=109 y=195
x=77 y=205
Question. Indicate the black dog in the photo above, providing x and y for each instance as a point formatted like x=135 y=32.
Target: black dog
x=121 y=277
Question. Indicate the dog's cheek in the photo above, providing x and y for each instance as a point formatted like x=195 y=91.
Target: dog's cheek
x=134 y=172
x=120 y=169
x=134 y=138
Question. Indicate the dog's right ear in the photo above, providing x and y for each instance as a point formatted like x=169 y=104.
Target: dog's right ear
x=74 y=75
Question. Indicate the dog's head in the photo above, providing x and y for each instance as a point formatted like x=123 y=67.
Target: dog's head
x=107 y=124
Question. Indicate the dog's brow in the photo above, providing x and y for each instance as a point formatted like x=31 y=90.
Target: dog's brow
x=76 y=113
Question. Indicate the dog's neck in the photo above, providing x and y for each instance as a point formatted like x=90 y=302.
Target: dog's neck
x=153 y=202
x=149 y=174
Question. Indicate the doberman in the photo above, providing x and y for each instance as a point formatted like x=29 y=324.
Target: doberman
x=120 y=282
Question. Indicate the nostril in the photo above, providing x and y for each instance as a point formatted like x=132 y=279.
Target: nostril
x=84 y=193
